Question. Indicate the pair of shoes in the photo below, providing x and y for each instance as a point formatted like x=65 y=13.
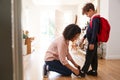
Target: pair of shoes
x=45 y=71
x=82 y=74
x=92 y=72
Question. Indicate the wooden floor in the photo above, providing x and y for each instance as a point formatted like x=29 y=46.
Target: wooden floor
x=107 y=69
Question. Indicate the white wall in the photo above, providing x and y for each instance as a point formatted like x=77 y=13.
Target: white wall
x=110 y=10
x=35 y=19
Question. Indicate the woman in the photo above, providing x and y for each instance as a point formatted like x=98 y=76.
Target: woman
x=57 y=55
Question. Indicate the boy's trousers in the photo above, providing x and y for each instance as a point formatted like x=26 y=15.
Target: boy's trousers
x=91 y=58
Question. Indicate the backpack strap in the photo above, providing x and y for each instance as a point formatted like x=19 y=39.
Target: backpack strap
x=94 y=16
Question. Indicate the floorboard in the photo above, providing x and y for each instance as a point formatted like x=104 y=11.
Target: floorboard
x=32 y=65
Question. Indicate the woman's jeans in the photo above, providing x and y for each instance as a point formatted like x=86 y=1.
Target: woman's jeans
x=58 y=67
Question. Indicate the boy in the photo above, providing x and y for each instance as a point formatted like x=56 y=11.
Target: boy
x=91 y=58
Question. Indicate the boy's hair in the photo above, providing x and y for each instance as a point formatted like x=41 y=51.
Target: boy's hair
x=70 y=31
x=87 y=7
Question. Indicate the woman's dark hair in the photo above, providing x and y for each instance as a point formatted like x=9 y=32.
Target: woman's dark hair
x=70 y=31
x=87 y=7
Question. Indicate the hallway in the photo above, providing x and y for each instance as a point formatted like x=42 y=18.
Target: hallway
x=33 y=63
x=107 y=70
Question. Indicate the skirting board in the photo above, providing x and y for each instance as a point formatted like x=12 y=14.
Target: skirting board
x=112 y=56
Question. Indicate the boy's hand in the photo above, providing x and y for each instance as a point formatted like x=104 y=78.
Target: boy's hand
x=91 y=46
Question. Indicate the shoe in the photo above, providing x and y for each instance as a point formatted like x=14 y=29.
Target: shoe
x=45 y=71
x=92 y=72
x=82 y=74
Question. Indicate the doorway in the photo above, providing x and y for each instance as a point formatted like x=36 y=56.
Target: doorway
x=44 y=23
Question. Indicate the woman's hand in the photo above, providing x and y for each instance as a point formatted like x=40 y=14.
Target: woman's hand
x=76 y=65
x=76 y=72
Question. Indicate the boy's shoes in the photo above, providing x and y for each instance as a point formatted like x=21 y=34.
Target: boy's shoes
x=92 y=72
x=82 y=74
x=45 y=71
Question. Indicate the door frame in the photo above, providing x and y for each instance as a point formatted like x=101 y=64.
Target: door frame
x=16 y=39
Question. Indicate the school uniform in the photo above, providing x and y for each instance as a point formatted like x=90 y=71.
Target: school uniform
x=91 y=58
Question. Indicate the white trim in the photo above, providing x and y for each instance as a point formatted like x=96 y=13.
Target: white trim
x=112 y=57
x=16 y=40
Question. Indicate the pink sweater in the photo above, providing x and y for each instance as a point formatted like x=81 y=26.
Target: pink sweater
x=58 y=50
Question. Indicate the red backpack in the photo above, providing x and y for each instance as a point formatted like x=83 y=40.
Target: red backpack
x=103 y=35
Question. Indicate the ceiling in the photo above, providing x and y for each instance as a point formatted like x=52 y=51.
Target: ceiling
x=59 y=2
